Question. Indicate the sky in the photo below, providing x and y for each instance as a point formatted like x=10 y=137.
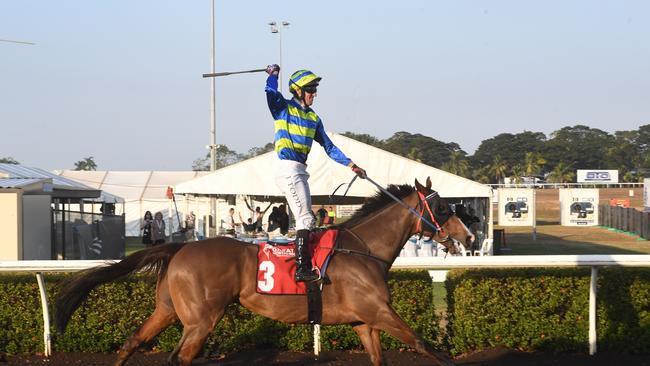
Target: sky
x=121 y=80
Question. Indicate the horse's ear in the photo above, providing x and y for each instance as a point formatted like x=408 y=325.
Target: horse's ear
x=429 y=182
x=419 y=186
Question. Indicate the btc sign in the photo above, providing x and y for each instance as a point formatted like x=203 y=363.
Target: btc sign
x=597 y=176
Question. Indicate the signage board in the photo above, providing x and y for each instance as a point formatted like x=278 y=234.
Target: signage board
x=516 y=207
x=579 y=206
x=596 y=176
x=346 y=210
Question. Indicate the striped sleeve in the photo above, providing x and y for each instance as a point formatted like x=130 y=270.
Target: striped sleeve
x=332 y=151
x=274 y=98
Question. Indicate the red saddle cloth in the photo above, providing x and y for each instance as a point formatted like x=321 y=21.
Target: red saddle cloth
x=276 y=264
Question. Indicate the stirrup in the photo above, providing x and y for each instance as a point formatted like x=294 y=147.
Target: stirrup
x=306 y=277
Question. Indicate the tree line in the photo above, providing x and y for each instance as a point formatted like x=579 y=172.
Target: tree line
x=554 y=158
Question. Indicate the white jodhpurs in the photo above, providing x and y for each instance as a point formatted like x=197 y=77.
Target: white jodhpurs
x=291 y=177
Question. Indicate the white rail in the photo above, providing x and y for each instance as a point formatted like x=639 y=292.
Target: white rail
x=593 y=261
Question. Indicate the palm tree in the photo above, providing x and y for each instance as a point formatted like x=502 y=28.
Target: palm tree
x=498 y=168
x=86 y=164
x=562 y=173
x=517 y=174
x=533 y=163
x=457 y=164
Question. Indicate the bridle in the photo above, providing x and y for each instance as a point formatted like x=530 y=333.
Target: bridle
x=423 y=205
x=424 y=202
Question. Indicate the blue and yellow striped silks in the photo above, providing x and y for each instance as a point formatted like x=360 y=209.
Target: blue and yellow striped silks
x=301 y=78
x=295 y=133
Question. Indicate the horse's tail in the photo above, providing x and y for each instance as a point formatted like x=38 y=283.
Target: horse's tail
x=154 y=260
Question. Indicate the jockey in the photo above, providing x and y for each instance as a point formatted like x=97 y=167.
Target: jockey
x=296 y=127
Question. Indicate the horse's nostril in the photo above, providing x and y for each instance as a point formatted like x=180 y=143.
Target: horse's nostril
x=470 y=239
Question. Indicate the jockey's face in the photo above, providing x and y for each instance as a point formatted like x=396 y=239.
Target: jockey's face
x=309 y=98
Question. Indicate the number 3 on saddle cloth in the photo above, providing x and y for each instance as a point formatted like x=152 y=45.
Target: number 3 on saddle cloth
x=276 y=263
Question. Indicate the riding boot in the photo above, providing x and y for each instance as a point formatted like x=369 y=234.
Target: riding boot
x=303 y=258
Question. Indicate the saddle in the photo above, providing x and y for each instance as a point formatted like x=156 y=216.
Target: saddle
x=276 y=266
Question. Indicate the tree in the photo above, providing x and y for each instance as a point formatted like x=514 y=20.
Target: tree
x=624 y=154
x=561 y=173
x=457 y=164
x=86 y=164
x=224 y=157
x=517 y=174
x=423 y=148
x=533 y=163
x=580 y=146
x=498 y=169
x=254 y=151
x=9 y=160
x=365 y=138
x=511 y=147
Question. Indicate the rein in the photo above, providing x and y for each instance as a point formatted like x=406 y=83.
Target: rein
x=411 y=210
x=419 y=215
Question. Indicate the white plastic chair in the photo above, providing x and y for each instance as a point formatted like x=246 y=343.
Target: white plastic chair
x=411 y=246
x=426 y=248
x=486 y=248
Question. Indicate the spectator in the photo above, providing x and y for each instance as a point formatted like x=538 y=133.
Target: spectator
x=273 y=220
x=259 y=214
x=190 y=222
x=158 y=229
x=249 y=227
x=283 y=219
x=145 y=227
x=331 y=214
x=229 y=223
x=321 y=214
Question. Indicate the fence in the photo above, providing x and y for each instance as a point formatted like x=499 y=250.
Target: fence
x=428 y=263
x=625 y=219
x=85 y=235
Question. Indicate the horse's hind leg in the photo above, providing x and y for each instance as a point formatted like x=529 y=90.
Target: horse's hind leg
x=370 y=340
x=387 y=320
x=161 y=318
x=197 y=326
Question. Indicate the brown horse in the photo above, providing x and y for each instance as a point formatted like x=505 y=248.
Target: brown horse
x=196 y=281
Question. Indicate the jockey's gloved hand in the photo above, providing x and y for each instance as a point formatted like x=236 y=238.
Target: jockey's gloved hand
x=273 y=69
x=358 y=171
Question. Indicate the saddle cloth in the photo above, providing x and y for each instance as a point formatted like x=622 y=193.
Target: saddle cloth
x=276 y=263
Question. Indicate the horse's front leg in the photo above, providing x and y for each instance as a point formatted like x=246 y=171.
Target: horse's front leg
x=387 y=320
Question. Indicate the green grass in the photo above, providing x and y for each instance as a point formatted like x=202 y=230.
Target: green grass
x=556 y=239
x=133 y=244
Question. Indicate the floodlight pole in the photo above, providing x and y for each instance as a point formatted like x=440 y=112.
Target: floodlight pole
x=213 y=123
x=276 y=27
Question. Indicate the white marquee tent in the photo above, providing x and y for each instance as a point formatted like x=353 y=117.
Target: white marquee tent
x=255 y=176
x=142 y=191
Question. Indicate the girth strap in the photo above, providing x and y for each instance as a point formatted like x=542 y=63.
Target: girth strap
x=314 y=302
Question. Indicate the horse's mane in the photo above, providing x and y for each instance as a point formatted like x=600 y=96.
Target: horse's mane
x=378 y=201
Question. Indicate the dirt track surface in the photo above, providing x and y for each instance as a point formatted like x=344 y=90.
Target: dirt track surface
x=491 y=357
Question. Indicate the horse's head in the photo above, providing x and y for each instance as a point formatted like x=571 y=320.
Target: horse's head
x=444 y=226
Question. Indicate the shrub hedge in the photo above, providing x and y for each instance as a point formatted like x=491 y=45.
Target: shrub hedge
x=528 y=309
x=548 y=309
x=113 y=311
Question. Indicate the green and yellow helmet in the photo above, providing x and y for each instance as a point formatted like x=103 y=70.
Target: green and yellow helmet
x=302 y=78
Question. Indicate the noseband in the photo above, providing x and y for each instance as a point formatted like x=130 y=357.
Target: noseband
x=424 y=202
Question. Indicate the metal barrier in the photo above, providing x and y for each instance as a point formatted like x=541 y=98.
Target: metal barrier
x=428 y=263
x=625 y=219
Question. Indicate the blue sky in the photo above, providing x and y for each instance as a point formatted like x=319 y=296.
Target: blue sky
x=121 y=80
